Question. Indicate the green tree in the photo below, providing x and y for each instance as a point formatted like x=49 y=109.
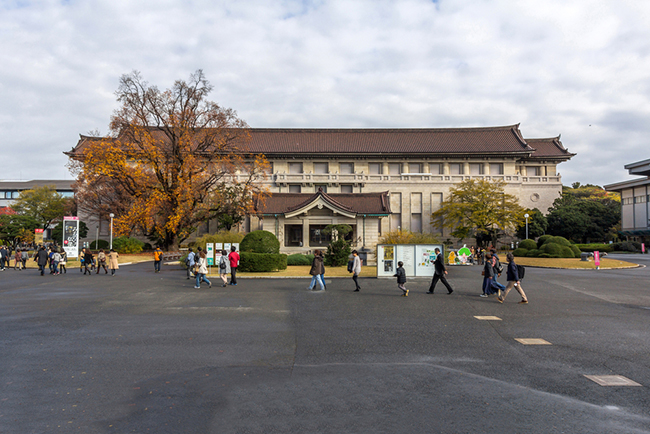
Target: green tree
x=16 y=228
x=339 y=248
x=537 y=225
x=43 y=204
x=57 y=232
x=482 y=206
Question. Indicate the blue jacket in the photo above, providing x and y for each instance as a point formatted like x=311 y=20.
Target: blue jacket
x=513 y=273
x=401 y=275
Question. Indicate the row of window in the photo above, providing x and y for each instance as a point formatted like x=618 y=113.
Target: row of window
x=297 y=188
x=16 y=194
x=636 y=199
x=399 y=168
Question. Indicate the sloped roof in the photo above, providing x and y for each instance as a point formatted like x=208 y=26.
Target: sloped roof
x=549 y=148
x=359 y=203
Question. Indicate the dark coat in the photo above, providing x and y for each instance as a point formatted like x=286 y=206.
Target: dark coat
x=41 y=258
x=440 y=265
x=488 y=270
x=317 y=266
x=513 y=272
x=401 y=275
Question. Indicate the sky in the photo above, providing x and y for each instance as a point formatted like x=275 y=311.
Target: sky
x=578 y=68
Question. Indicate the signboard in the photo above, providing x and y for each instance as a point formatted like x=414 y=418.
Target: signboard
x=71 y=236
x=226 y=247
x=38 y=236
x=209 y=253
x=642 y=247
x=597 y=259
x=236 y=246
x=417 y=258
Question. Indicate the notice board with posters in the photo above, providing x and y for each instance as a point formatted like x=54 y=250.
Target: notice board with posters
x=71 y=236
x=417 y=258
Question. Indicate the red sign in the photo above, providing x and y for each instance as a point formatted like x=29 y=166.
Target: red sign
x=597 y=258
x=38 y=231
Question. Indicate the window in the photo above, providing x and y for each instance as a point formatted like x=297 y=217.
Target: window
x=346 y=188
x=639 y=199
x=533 y=170
x=15 y=194
x=435 y=169
x=316 y=236
x=293 y=235
x=455 y=169
x=375 y=168
x=416 y=222
x=346 y=168
x=294 y=188
x=321 y=168
x=628 y=201
x=415 y=167
x=67 y=193
x=496 y=168
x=394 y=168
x=295 y=167
x=475 y=168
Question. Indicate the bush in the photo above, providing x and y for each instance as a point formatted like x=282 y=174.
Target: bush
x=338 y=253
x=541 y=240
x=520 y=252
x=147 y=246
x=299 y=259
x=260 y=242
x=552 y=249
x=408 y=237
x=566 y=252
x=534 y=253
x=558 y=240
x=527 y=244
x=596 y=246
x=127 y=245
x=101 y=244
x=261 y=262
x=627 y=246
x=216 y=238
x=546 y=255
x=576 y=250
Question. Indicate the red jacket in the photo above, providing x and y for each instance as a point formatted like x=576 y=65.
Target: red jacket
x=234 y=259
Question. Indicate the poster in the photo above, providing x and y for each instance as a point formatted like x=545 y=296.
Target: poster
x=597 y=258
x=417 y=258
x=226 y=247
x=71 y=236
x=38 y=236
x=426 y=256
x=209 y=252
x=406 y=254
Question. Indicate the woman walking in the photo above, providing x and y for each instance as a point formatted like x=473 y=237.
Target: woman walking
x=488 y=274
x=224 y=267
x=63 y=262
x=356 y=269
x=112 y=261
x=514 y=281
x=101 y=261
x=201 y=264
x=316 y=270
x=18 y=258
x=24 y=256
x=88 y=261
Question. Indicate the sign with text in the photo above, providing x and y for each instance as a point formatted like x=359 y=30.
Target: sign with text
x=417 y=258
x=38 y=236
x=71 y=236
x=209 y=253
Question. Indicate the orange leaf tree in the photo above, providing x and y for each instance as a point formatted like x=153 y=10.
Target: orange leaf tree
x=173 y=160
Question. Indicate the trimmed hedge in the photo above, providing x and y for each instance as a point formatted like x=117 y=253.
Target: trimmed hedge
x=596 y=246
x=101 y=244
x=520 y=252
x=260 y=242
x=627 y=246
x=541 y=240
x=259 y=262
x=566 y=252
x=127 y=245
x=527 y=244
x=299 y=259
x=576 y=250
x=534 y=253
x=552 y=249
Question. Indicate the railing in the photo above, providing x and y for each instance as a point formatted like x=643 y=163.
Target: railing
x=360 y=178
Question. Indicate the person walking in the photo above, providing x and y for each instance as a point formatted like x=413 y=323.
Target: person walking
x=88 y=261
x=224 y=267
x=24 y=256
x=189 y=263
x=18 y=259
x=157 y=259
x=514 y=281
x=101 y=261
x=41 y=259
x=400 y=273
x=112 y=261
x=3 y=256
x=488 y=274
x=234 y=263
x=56 y=258
x=316 y=270
x=202 y=270
x=81 y=260
x=439 y=273
x=498 y=269
x=63 y=262
x=356 y=269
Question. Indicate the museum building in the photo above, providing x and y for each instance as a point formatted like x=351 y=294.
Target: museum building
x=635 y=201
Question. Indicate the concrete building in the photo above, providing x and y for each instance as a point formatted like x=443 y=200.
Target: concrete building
x=635 y=201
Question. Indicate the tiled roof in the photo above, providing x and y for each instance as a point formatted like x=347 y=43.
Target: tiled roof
x=359 y=203
x=271 y=141
x=548 y=148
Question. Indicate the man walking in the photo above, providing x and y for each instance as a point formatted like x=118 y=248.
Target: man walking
x=439 y=274
x=157 y=259
x=3 y=256
x=234 y=263
x=189 y=263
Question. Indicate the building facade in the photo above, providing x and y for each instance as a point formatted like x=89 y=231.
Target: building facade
x=635 y=201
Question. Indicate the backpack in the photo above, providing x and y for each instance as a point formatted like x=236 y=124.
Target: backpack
x=350 y=265
x=521 y=271
x=498 y=267
x=222 y=263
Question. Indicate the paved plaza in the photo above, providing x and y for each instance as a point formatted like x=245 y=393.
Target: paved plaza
x=143 y=352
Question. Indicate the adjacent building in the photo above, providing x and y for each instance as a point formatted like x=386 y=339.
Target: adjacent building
x=635 y=201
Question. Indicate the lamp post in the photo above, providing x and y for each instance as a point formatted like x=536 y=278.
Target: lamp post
x=526 y=215
x=111 y=215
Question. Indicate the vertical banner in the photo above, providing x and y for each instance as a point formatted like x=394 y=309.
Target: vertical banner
x=597 y=259
x=209 y=252
x=71 y=236
x=642 y=247
x=38 y=236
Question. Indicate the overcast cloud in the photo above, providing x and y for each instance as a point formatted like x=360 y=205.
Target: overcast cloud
x=578 y=68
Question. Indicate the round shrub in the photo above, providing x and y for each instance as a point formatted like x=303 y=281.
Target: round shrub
x=127 y=245
x=541 y=240
x=576 y=250
x=262 y=262
x=552 y=249
x=520 y=252
x=527 y=244
x=260 y=242
x=534 y=253
x=566 y=252
x=101 y=244
x=627 y=246
x=558 y=240
x=299 y=259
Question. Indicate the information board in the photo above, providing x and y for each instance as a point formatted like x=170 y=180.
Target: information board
x=406 y=254
x=71 y=236
x=426 y=256
x=417 y=258
x=38 y=236
x=209 y=253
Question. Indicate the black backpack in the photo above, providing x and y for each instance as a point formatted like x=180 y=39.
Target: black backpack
x=498 y=267
x=350 y=265
x=521 y=271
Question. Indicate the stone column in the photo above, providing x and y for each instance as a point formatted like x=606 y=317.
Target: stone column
x=466 y=168
x=445 y=168
x=305 y=232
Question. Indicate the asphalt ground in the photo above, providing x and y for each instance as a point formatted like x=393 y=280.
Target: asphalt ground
x=143 y=352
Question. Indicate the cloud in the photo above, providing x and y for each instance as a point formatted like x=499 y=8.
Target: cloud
x=576 y=68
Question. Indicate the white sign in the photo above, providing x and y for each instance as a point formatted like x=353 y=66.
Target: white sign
x=71 y=236
x=226 y=247
x=209 y=253
x=236 y=246
x=406 y=254
x=418 y=259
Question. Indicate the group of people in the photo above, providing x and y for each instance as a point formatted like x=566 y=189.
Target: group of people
x=88 y=263
x=197 y=266
x=20 y=258
x=492 y=270
x=317 y=270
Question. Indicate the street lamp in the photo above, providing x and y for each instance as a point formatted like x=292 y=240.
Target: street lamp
x=111 y=215
x=526 y=215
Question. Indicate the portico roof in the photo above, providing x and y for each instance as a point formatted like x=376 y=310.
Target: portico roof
x=347 y=204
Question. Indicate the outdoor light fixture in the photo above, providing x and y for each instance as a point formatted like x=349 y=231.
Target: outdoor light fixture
x=526 y=215
x=111 y=215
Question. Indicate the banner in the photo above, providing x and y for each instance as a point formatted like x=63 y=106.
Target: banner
x=597 y=258
x=71 y=236
x=38 y=236
x=209 y=252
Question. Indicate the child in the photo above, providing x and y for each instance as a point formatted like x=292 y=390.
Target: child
x=401 y=278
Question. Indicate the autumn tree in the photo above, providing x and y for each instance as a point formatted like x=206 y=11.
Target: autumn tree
x=173 y=160
x=43 y=204
x=481 y=207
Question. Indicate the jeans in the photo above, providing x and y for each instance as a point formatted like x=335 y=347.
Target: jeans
x=354 y=277
x=156 y=266
x=233 y=275
x=55 y=267
x=201 y=277
x=316 y=278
